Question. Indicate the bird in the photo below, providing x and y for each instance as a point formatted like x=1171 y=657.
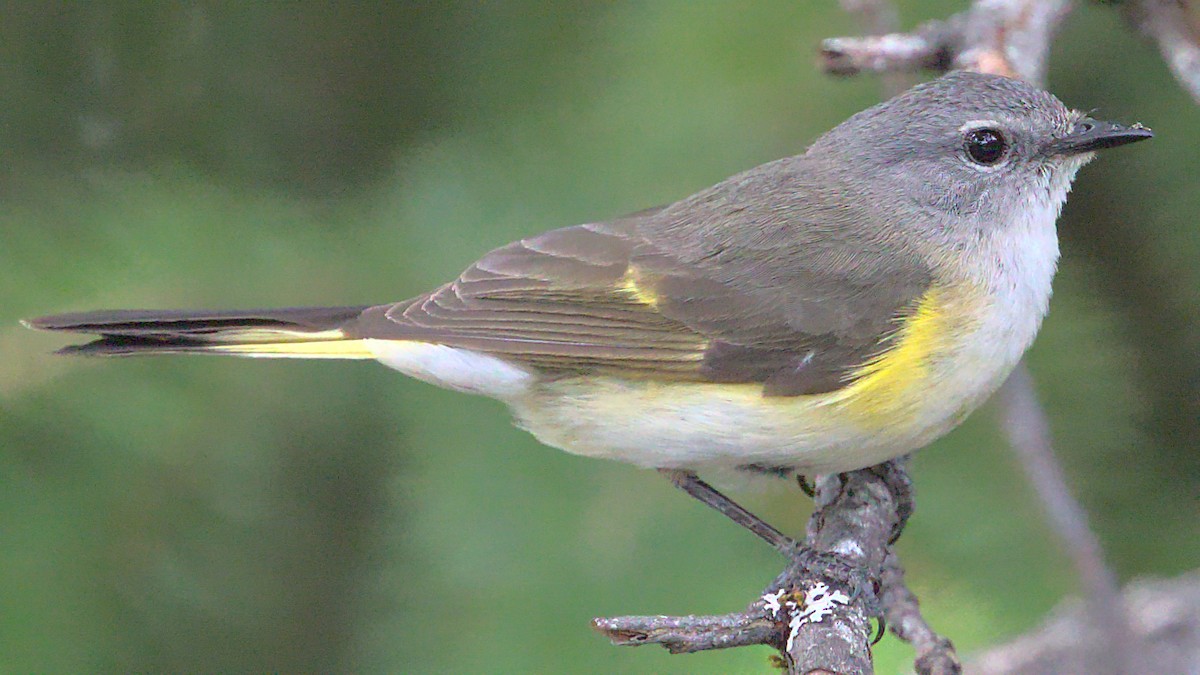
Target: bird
x=820 y=313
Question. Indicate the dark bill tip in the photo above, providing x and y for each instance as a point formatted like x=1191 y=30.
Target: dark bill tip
x=1090 y=134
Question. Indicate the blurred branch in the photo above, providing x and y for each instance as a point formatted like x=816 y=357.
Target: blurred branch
x=877 y=18
x=1005 y=37
x=1168 y=23
x=1164 y=616
x=935 y=654
x=926 y=48
x=1028 y=432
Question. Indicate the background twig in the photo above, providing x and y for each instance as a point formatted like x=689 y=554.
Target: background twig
x=880 y=18
x=1164 y=616
x=1005 y=37
x=1028 y=432
x=1177 y=32
x=935 y=654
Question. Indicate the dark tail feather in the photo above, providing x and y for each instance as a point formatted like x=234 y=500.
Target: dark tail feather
x=312 y=332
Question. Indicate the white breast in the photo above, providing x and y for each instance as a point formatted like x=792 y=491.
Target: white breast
x=1017 y=263
x=1025 y=258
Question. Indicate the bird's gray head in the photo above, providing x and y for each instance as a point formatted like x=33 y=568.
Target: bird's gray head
x=981 y=149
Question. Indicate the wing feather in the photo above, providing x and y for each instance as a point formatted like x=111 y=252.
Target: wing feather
x=637 y=298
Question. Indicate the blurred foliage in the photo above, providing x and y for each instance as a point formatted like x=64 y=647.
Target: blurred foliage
x=224 y=515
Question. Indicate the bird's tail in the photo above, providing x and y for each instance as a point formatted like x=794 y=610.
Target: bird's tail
x=297 y=332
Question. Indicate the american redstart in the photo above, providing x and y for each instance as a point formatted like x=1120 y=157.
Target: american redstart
x=820 y=313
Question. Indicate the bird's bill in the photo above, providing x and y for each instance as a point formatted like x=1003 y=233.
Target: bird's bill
x=1090 y=134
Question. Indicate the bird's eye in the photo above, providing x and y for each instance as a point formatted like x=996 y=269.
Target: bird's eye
x=986 y=146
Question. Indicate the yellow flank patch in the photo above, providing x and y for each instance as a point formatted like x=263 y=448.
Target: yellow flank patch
x=328 y=349
x=629 y=285
x=891 y=384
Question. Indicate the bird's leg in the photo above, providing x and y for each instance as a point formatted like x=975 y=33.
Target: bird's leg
x=805 y=561
x=806 y=486
x=690 y=483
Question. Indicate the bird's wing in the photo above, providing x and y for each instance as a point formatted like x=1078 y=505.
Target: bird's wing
x=603 y=298
x=773 y=276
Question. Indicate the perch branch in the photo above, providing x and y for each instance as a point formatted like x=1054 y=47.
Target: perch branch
x=817 y=612
x=686 y=634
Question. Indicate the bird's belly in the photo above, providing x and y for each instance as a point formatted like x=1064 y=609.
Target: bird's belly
x=945 y=364
x=709 y=425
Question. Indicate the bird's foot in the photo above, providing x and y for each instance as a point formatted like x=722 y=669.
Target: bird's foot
x=858 y=581
x=895 y=476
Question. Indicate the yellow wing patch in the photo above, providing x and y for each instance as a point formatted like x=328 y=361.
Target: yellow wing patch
x=632 y=287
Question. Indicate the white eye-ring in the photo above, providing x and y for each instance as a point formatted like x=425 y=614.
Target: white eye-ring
x=984 y=144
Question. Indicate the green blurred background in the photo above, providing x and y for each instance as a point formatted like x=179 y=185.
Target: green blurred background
x=236 y=515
